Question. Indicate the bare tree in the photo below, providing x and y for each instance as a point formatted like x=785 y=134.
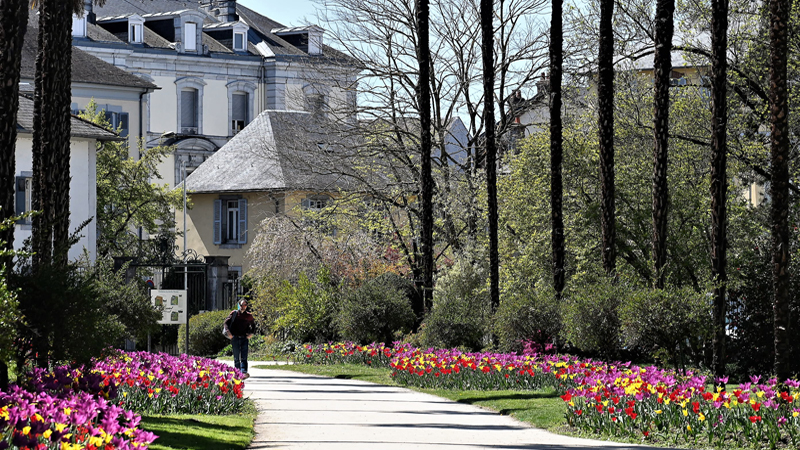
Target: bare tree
x=381 y=37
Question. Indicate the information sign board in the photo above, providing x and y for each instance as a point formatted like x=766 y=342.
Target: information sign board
x=174 y=303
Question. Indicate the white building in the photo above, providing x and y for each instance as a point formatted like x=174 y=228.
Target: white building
x=83 y=171
x=218 y=64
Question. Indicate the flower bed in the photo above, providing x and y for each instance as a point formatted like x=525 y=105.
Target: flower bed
x=92 y=408
x=620 y=400
x=162 y=384
x=647 y=403
x=58 y=414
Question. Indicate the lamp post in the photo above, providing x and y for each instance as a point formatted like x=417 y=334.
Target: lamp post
x=185 y=262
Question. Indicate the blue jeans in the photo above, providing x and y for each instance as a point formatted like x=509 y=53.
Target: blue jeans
x=240 y=346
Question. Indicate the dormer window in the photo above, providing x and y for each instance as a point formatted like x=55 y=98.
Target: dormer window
x=238 y=42
x=190 y=37
x=135 y=29
x=306 y=38
x=78 y=26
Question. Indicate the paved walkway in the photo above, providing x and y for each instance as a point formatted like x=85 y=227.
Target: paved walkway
x=305 y=412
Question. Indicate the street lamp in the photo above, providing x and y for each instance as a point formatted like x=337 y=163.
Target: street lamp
x=185 y=262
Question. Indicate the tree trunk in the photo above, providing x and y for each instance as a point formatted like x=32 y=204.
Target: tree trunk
x=426 y=176
x=487 y=48
x=779 y=186
x=605 y=103
x=662 y=68
x=556 y=148
x=719 y=176
x=13 y=24
x=52 y=133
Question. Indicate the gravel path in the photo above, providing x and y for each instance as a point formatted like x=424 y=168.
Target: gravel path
x=305 y=412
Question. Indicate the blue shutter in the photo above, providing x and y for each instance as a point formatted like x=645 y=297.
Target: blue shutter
x=305 y=203
x=217 y=222
x=20 y=196
x=124 y=123
x=242 y=220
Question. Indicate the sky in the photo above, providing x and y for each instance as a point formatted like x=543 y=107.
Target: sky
x=287 y=12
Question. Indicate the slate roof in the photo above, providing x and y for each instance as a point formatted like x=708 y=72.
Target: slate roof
x=79 y=127
x=142 y=7
x=85 y=67
x=278 y=151
x=261 y=27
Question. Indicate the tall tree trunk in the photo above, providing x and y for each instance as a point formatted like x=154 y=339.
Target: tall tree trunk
x=13 y=23
x=662 y=68
x=779 y=186
x=426 y=175
x=605 y=103
x=51 y=146
x=556 y=146
x=719 y=176
x=487 y=48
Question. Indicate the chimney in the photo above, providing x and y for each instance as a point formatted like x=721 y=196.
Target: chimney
x=88 y=11
x=223 y=10
x=543 y=85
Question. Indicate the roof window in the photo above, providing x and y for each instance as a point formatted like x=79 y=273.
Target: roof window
x=238 y=42
x=135 y=29
x=78 y=26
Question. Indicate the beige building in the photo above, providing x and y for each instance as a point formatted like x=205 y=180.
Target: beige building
x=268 y=168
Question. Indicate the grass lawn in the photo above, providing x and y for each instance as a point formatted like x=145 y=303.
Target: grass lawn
x=201 y=432
x=542 y=409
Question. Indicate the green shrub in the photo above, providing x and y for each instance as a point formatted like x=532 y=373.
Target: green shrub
x=531 y=314
x=662 y=322
x=205 y=333
x=306 y=310
x=591 y=316
x=374 y=311
x=461 y=312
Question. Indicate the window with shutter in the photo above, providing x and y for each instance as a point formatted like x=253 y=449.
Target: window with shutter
x=230 y=221
x=189 y=111
x=118 y=122
x=238 y=112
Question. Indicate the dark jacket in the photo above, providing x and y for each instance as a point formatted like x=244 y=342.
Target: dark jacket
x=243 y=325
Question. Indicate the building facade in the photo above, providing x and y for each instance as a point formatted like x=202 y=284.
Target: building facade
x=83 y=182
x=218 y=65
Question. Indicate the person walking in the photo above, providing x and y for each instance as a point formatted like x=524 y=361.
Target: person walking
x=241 y=325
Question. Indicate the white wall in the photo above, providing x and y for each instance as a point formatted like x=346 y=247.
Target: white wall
x=164 y=106
x=215 y=106
x=83 y=191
